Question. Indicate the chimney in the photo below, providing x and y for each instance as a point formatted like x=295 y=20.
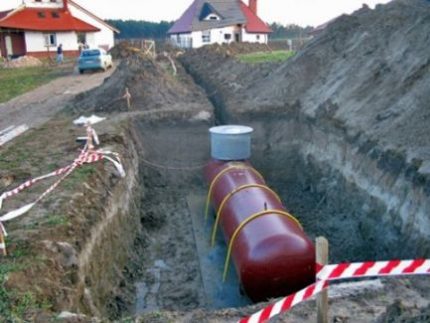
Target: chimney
x=65 y=5
x=253 y=6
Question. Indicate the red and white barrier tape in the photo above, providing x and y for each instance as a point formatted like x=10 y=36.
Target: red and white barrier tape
x=286 y=303
x=87 y=156
x=342 y=271
x=84 y=158
x=372 y=269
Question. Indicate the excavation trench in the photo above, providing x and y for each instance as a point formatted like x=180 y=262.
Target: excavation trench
x=370 y=202
x=320 y=178
x=334 y=185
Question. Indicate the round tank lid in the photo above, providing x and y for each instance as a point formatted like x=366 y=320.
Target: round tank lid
x=231 y=130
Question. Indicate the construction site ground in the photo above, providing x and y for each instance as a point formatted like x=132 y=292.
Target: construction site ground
x=341 y=133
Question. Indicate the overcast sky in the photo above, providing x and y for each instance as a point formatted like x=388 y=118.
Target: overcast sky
x=302 y=12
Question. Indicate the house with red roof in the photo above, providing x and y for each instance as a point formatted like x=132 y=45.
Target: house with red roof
x=37 y=27
x=219 y=21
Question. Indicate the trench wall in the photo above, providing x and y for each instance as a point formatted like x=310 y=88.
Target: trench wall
x=343 y=190
x=108 y=249
x=368 y=199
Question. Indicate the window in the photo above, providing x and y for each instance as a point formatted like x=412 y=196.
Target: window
x=91 y=52
x=206 y=36
x=55 y=14
x=38 y=0
x=41 y=14
x=213 y=17
x=227 y=36
x=82 y=38
x=258 y=37
x=54 y=1
x=50 y=40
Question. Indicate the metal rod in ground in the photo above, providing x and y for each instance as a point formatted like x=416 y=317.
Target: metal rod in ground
x=322 y=298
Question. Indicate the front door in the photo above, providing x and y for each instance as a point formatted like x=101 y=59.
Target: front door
x=9 y=50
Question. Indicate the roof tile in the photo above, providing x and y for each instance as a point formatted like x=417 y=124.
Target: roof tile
x=233 y=12
x=41 y=19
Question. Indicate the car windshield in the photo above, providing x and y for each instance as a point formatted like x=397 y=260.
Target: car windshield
x=93 y=52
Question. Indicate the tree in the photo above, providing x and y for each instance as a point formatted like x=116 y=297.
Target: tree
x=140 y=29
x=289 y=31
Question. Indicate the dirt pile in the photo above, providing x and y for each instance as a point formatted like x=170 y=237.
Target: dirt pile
x=367 y=73
x=23 y=61
x=155 y=90
x=363 y=79
x=123 y=49
x=341 y=132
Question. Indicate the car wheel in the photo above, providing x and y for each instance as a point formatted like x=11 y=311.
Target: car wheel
x=81 y=71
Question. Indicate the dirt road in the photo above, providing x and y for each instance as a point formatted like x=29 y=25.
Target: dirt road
x=36 y=107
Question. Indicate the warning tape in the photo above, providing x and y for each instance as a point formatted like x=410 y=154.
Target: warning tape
x=285 y=304
x=372 y=269
x=87 y=156
x=341 y=271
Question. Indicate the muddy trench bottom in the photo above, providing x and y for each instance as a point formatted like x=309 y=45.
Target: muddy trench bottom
x=176 y=269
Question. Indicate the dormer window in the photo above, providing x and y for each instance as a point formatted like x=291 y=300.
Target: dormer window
x=41 y=14
x=55 y=14
x=212 y=17
x=208 y=12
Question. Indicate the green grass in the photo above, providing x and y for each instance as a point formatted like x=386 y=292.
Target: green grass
x=16 y=81
x=266 y=57
x=53 y=220
x=14 y=305
x=79 y=176
x=6 y=297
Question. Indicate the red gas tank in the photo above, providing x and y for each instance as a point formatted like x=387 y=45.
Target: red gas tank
x=271 y=252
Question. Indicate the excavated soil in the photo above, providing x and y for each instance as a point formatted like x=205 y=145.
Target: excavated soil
x=341 y=133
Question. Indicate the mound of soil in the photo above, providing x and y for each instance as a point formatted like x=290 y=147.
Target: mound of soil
x=367 y=73
x=155 y=90
x=23 y=61
x=365 y=76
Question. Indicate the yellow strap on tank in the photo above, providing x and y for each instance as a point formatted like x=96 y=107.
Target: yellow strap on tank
x=230 y=167
x=227 y=198
x=243 y=224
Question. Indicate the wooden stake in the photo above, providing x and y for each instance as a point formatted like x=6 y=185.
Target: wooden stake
x=172 y=62
x=127 y=96
x=2 y=243
x=90 y=139
x=322 y=298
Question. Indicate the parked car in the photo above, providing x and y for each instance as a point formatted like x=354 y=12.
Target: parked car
x=94 y=59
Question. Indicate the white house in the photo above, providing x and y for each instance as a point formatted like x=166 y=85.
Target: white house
x=219 y=21
x=37 y=27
